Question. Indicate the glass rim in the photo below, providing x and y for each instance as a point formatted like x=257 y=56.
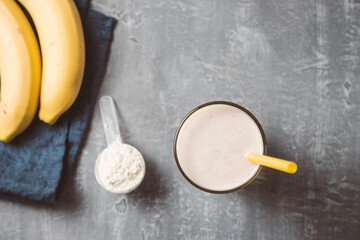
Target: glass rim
x=195 y=110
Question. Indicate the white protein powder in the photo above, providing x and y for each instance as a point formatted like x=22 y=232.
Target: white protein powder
x=120 y=168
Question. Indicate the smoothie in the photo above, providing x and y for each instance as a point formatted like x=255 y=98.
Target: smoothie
x=212 y=145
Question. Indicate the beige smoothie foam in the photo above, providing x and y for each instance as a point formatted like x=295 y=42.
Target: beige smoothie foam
x=212 y=146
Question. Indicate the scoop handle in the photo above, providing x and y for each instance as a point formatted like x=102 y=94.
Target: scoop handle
x=109 y=119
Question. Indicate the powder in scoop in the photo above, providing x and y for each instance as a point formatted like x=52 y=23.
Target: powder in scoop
x=120 y=168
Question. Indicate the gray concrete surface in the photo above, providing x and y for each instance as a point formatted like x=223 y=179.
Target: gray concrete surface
x=294 y=64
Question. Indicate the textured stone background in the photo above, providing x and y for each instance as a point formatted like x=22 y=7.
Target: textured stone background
x=294 y=64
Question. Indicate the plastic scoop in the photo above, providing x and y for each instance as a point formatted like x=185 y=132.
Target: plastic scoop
x=271 y=162
x=129 y=177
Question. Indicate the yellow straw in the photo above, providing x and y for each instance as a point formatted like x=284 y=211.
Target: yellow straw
x=271 y=162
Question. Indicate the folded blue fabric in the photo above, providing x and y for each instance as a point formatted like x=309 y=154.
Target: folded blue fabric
x=37 y=163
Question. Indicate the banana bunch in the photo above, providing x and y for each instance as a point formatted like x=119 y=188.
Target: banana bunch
x=52 y=76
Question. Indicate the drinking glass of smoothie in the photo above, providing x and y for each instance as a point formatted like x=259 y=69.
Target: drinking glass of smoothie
x=212 y=143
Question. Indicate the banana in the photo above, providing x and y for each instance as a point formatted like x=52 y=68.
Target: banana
x=20 y=71
x=62 y=46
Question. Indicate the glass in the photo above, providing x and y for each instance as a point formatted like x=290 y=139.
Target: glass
x=214 y=103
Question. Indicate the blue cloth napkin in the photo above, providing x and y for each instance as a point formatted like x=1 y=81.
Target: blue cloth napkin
x=36 y=164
